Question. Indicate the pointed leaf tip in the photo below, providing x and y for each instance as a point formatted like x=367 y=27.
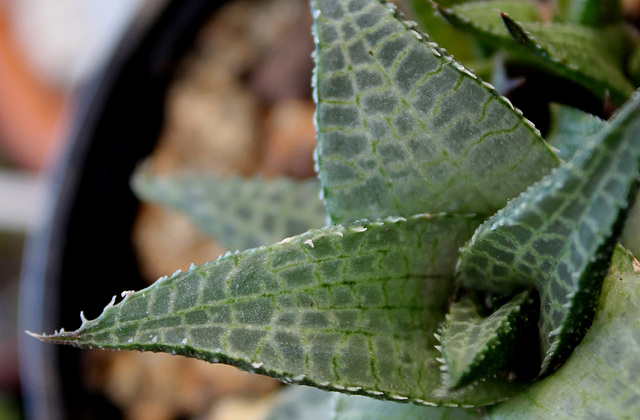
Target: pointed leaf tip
x=558 y=236
x=354 y=313
x=399 y=122
x=591 y=57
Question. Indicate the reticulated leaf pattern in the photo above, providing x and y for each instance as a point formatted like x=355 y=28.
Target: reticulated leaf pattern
x=558 y=236
x=474 y=345
x=404 y=129
x=240 y=212
x=351 y=308
x=600 y=379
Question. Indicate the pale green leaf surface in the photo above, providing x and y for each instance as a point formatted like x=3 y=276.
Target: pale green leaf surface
x=300 y=402
x=600 y=379
x=558 y=236
x=474 y=345
x=404 y=129
x=239 y=212
x=570 y=129
x=590 y=57
x=352 y=308
x=354 y=407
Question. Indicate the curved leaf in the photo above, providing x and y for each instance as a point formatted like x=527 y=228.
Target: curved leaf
x=558 y=236
x=351 y=308
x=593 y=58
x=239 y=212
x=404 y=129
x=570 y=128
x=600 y=379
x=474 y=346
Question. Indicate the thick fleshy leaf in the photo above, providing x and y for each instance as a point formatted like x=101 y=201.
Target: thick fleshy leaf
x=570 y=129
x=239 y=212
x=590 y=57
x=303 y=403
x=474 y=345
x=600 y=379
x=352 y=308
x=558 y=236
x=404 y=129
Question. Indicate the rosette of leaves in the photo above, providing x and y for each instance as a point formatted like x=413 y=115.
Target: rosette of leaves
x=457 y=238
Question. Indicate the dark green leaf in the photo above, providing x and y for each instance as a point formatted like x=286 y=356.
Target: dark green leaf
x=593 y=58
x=474 y=346
x=591 y=12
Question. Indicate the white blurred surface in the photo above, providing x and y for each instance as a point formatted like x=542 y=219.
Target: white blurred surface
x=66 y=40
x=21 y=195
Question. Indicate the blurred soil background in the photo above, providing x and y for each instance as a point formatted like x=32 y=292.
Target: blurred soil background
x=240 y=103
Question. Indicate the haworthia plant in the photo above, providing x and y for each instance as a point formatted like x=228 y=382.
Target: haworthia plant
x=558 y=236
x=569 y=130
x=414 y=152
x=600 y=379
x=347 y=307
x=404 y=129
x=239 y=212
x=591 y=57
x=474 y=346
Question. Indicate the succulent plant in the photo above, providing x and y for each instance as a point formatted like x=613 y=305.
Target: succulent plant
x=469 y=267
